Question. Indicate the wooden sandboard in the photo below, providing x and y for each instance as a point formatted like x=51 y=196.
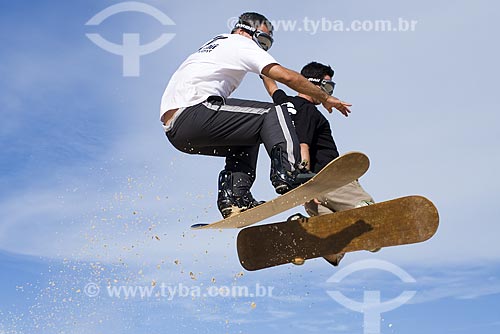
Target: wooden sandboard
x=336 y=174
x=400 y=221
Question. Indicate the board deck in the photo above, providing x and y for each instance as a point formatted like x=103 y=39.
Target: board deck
x=336 y=174
x=400 y=221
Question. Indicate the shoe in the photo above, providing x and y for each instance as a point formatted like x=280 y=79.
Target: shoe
x=229 y=204
x=334 y=259
x=282 y=179
x=363 y=203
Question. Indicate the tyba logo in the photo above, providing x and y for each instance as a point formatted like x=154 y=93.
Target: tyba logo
x=372 y=306
x=131 y=50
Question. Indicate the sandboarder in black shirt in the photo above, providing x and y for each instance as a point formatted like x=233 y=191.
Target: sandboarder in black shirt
x=317 y=145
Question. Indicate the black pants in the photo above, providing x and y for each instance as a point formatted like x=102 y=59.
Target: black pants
x=234 y=129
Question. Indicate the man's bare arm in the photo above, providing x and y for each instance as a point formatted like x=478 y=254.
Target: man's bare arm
x=305 y=156
x=306 y=162
x=300 y=84
x=270 y=85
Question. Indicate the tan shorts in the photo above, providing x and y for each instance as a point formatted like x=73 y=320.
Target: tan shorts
x=347 y=197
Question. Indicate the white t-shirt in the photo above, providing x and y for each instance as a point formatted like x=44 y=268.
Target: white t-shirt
x=217 y=68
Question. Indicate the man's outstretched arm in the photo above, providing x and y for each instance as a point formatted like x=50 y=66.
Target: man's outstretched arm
x=300 y=84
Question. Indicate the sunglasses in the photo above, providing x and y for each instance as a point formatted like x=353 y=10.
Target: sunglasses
x=326 y=85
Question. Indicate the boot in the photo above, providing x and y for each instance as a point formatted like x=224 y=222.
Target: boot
x=229 y=204
x=282 y=179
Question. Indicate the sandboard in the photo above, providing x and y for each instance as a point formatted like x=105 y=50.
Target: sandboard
x=336 y=174
x=400 y=221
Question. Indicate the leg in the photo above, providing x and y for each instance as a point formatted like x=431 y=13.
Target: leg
x=234 y=129
x=236 y=180
x=242 y=162
x=209 y=129
x=218 y=129
x=280 y=139
x=347 y=197
x=286 y=172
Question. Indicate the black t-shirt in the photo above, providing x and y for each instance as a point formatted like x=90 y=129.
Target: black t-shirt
x=312 y=128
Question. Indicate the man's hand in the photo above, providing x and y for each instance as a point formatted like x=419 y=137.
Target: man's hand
x=333 y=102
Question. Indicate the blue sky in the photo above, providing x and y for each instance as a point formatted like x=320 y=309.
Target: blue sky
x=92 y=192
